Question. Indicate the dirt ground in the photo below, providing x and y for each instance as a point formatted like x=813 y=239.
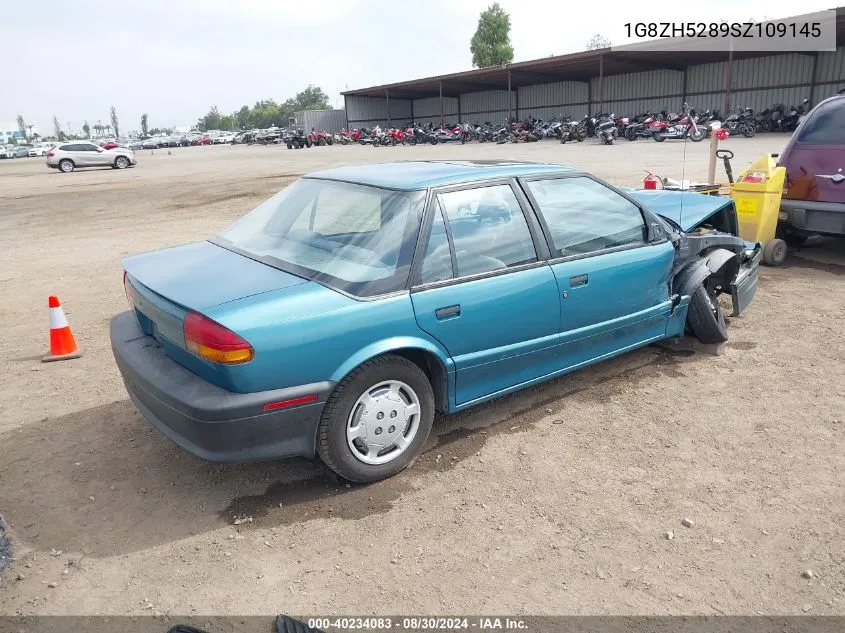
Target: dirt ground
x=556 y=500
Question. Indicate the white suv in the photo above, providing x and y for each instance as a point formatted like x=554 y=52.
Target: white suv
x=69 y=156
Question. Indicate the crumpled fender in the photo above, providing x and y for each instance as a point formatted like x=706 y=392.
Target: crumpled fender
x=694 y=273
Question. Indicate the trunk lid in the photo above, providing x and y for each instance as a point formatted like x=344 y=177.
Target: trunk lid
x=203 y=275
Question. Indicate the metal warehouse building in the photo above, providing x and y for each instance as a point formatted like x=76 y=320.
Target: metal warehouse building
x=624 y=80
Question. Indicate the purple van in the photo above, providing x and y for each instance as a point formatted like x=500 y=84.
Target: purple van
x=814 y=198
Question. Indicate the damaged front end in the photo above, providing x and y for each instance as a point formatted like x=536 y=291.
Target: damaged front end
x=708 y=248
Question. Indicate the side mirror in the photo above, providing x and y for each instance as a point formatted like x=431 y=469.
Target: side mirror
x=655 y=232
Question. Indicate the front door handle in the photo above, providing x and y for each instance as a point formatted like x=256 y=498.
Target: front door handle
x=578 y=280
x=447 y=312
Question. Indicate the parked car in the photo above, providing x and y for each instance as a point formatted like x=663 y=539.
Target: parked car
x=5 y=151
x=342 y=312
x=19 y=151
x=136 y=145
x=814 y=200
x=41 y=149
x=202 y=140
x=70 y=156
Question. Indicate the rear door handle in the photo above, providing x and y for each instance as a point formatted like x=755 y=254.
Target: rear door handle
x=447 y=312
x=578 y=280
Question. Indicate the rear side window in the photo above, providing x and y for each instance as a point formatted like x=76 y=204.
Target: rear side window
x=826 y=126
x=68 y=148
x=488 y=229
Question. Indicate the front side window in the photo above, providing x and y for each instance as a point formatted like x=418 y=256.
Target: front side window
x=584 y=216
x=357 y=238
x=489 y=230
x=826 y=125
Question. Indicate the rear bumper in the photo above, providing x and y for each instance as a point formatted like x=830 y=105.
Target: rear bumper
x=827 y=218
x=210 y=422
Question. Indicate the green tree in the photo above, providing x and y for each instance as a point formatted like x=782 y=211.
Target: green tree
x=598 y=41
x=144 y=124
x=491 y=44
x=86 y=129
x=312 y=98
x=242 y=117
x=210 y=121
x=22 y=125
x=227 y=122
x=57 y=126
x=115 y=124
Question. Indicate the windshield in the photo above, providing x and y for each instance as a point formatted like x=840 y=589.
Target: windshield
x=356 y=238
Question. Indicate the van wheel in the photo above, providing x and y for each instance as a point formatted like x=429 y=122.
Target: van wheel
x=775 y=252
x=705 y=316
x=66 y=165
x=376 y=420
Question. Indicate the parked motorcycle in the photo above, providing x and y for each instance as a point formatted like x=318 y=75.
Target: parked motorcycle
x=741 y=122
x=679 y=126
x=604 y=127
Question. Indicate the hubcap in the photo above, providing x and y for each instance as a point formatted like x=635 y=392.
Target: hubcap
x=383 y=422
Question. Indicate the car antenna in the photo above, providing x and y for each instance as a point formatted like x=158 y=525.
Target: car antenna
x=683 y=176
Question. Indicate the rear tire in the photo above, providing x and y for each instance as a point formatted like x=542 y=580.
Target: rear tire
x=66 y=166
x=659 y=137
x=705 y=317
x=775 y=252
x=630 y=134
x=333 y=442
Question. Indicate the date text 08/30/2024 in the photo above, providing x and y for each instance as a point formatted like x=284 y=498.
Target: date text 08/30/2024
x=419 y=623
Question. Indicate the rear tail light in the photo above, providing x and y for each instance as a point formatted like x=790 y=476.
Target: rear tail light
x=211 y=341
x=51 y=153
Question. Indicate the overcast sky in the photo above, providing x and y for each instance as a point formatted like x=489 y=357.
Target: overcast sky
x=175 y=58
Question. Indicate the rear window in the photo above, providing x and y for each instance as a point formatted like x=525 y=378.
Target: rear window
x=826 y=125
x=356 y=238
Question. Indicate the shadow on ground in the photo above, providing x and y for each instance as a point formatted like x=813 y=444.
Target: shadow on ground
x=102 y=481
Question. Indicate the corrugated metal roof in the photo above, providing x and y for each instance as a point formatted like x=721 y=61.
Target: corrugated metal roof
x=576 y=67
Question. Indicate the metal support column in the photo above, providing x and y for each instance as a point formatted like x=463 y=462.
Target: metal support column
x=601 y=83
x=387 y=98
x=509 y=94
x=728 y=80
x=684 y=91
x=813 y=82
x=441 y=103
x=412 y=111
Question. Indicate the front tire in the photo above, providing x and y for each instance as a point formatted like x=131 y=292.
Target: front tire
x=698 y=135
x=66 y=165
x=121 y=162
x=377 y=420
x=749 y=130
x=659 y=137
x=705 y=316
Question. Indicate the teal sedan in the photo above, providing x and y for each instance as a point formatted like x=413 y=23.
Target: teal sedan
x=338 y=316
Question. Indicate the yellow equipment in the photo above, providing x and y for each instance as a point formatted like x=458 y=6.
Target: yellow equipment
x=756 y=194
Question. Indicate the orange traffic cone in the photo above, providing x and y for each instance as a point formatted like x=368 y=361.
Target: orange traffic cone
x=62 y=343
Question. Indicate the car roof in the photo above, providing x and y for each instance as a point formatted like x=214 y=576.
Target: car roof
x=435 y=173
